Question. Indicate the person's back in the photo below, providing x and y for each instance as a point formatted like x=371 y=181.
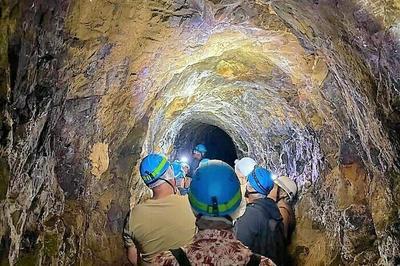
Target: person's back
x=214 y=247
x=215 y=202
x=162 y=224
x=261 y=227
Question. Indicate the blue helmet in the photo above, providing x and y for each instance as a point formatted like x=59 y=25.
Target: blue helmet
x=261 y=180
x=201 y=148
x=215 y=190
x=178 y=170
x=152 y=167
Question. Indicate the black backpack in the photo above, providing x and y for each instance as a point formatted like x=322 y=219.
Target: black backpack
x=271 y=241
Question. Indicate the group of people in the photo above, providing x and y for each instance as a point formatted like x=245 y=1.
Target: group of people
x=208 y=213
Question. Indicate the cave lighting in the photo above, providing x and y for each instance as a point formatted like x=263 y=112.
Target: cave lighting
x=184 y=159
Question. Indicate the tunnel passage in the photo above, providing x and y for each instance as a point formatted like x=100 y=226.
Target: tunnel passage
x=219 y=144
x=288 y=81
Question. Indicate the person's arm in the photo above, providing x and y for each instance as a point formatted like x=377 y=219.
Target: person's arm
x=129 y=241
x=133 y=255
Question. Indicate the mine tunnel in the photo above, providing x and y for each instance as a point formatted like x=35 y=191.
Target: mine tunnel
x=310 y=89
x=219 y=144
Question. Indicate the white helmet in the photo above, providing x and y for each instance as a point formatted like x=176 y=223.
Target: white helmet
x=287 y=184
x=245 y=165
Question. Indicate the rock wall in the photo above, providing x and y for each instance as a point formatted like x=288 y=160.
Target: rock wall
x=309 y=88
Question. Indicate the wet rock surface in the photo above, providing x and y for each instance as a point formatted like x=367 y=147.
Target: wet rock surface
x=309 y=88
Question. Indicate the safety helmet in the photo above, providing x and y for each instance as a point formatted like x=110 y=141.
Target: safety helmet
x=245 y=165
x=152 y=168
x=178 y=170
x=287 y=184
x=215 y=190
x=261 y=180
x=201 y=148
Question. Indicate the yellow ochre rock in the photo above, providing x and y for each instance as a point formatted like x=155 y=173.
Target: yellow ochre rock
x=99 y=158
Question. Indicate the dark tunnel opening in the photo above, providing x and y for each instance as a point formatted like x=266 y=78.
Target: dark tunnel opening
x=219 y=144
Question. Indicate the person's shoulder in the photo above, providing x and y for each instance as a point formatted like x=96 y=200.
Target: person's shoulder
x=250 y=219
x=138 y=209
x=181 y=199
x=252 y=210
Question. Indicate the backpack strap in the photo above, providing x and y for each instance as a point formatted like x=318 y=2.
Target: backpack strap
x=180 y=256
x=254 y=260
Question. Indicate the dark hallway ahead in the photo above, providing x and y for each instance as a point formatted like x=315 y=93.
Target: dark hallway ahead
x=219 y=144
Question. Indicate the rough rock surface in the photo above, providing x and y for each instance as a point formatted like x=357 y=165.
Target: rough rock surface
x=309 y=88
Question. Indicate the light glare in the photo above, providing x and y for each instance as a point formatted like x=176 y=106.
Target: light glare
x=184 y=159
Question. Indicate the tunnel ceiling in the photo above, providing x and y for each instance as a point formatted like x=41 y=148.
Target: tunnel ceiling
x=309 y=88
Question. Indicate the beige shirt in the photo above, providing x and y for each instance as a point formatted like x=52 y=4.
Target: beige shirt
x=159 y=225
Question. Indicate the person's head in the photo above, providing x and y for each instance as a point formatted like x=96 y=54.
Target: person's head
x=179 y=173
x=288 y=185
x=215 y=192
x=199 y=151
x=244 y=167
x=157 y=173
x=186 y=168
x=259 y=183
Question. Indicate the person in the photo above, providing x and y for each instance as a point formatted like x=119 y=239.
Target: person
x=214 y=197
x=179 y=175
x=284 y=193
x=199 y=153
x=187 y=178
x=243 y=168
x=261 y=226
x=186 y=168
x=152 y=226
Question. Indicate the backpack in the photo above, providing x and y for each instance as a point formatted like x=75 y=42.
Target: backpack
x=271 y=241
